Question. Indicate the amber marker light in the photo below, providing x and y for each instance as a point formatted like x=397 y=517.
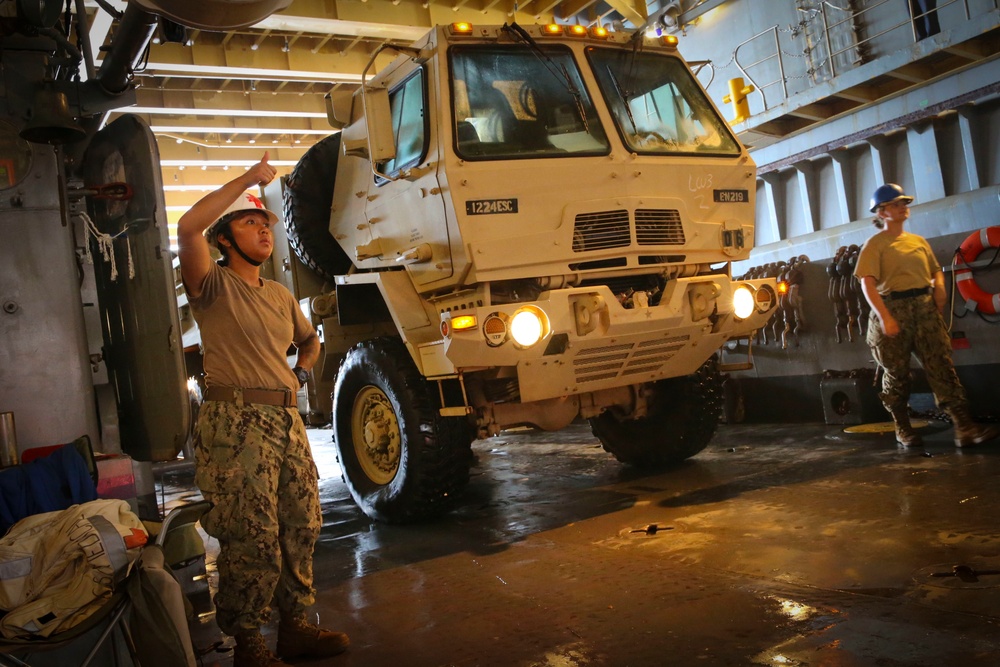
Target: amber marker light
x=782 y=287
x=764 y=298
x=495 y=329
x=578 y=31
x=552 y=29
x=669 y=40
x=463 y=322
x=461 y=28
x=599 y=32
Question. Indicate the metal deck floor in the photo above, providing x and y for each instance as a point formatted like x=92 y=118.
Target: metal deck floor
x=777 y=545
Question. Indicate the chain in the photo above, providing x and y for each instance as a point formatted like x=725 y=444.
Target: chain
x=987 y=417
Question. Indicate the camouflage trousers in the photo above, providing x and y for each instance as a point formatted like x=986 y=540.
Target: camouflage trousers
x=922 y=333
x=255 y=464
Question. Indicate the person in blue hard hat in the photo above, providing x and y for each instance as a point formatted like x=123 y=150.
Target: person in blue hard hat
x=253 y=461
x=904 y=284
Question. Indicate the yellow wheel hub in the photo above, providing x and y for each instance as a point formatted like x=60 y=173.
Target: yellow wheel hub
x=376 y=435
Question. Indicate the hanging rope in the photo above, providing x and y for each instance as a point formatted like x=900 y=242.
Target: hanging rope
x=106 y=242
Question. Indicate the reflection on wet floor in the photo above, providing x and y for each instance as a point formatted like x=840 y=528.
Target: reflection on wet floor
x=778 y=545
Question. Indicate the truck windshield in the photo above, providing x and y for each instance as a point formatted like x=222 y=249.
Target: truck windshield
x=518 y=102
x=657 y=104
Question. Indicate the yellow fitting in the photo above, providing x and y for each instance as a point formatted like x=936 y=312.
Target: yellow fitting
x=738 y=97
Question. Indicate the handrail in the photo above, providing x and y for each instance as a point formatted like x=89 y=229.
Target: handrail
x=758 y=87
x=829 y=59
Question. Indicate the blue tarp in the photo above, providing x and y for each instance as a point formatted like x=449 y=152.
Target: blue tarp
x=47 y=484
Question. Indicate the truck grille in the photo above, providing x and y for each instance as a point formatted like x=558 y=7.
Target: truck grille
x=613 y=229
x=658 y=227
x=607 y=362
x=598 y=231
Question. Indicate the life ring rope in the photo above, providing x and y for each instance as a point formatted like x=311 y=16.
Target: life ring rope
x=976 y=298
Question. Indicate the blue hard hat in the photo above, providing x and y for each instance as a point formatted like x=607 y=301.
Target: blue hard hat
x=887 y=193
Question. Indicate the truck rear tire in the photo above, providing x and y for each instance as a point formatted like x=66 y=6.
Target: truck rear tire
x=683 y=416
x=307 y=199
x=402 y=461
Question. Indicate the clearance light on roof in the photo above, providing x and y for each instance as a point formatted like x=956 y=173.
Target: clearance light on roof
x=552 y=29
x=578 y=31
x=461 y=28
x=669 y=41
x=599 y=32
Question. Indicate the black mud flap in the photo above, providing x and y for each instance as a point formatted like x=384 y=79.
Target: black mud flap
x=141 y=327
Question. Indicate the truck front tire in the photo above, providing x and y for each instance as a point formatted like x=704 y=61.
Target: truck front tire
x=683 y=416
x=402 y=461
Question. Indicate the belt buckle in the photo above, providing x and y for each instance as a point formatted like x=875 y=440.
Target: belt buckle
x=288 y=397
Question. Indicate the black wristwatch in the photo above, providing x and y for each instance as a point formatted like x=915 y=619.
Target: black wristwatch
x=302 y=374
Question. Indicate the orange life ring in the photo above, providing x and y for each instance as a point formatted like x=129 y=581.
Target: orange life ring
x=977 y=242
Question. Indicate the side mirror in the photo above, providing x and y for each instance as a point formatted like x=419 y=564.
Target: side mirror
x=338 y=108
x=378 y=116
x=372 y=139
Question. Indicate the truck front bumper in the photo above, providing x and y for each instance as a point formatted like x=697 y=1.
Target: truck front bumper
x=592 y=342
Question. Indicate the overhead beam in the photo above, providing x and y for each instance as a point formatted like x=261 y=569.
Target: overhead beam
x=247 y=113
x=571 y=8
x=912 y=73
x=319 y=26
x=630 y=10
x=258 y=73
x=217 y=129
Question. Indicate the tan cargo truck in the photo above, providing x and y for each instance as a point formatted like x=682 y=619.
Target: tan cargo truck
x=524 y=226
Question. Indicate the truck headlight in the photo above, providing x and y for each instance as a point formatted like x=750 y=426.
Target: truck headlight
x=528 y=326
x=743 y=302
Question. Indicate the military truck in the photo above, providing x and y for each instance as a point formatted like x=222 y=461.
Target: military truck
x=523 y=225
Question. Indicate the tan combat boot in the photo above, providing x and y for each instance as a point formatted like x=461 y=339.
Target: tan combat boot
x=905 y=435
x=967 y=432
x=252 y=651
x=297 y=638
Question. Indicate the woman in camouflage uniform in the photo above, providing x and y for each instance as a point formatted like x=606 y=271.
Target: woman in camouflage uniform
x=904 y=284
x=253 y=459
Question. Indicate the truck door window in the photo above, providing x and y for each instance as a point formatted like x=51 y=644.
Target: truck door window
x=658 y=105
x=407 y=104
x=509 y=102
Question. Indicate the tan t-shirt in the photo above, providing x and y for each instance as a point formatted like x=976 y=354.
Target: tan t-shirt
x=897 y=264
x=246 y=331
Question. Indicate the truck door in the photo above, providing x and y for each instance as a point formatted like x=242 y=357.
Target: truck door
x=407 y=215
x=141 y=328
